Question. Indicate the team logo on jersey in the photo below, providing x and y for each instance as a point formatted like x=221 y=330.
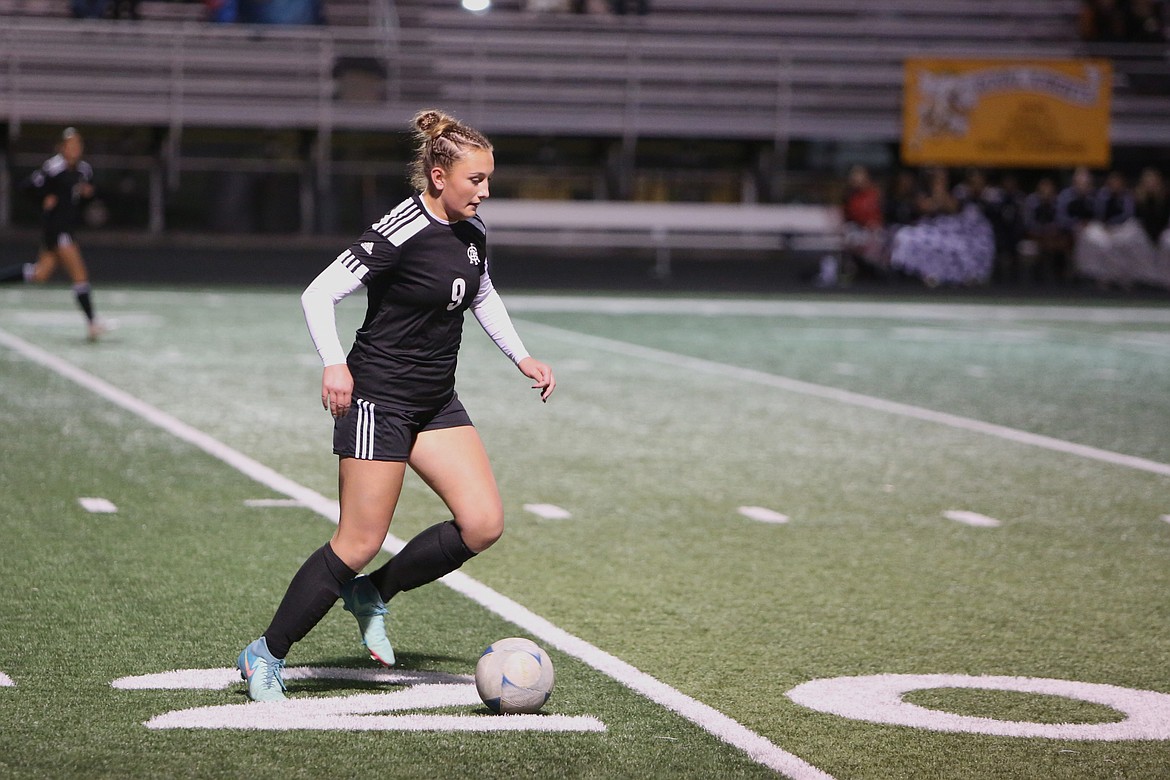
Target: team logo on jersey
x=473 y=254
x=368 y=246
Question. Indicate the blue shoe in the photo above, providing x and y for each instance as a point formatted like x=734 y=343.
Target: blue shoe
x=261 y=672
x=361 y=597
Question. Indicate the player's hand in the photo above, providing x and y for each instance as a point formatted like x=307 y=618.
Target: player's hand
x=539 y=373
x=49 y=203
x=337 y=389
x=85 y=190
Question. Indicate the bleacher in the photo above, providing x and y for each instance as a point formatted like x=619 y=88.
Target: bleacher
x=763 y=71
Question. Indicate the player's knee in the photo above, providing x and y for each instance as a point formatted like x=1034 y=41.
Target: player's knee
x=357 y=550
x=482 y=529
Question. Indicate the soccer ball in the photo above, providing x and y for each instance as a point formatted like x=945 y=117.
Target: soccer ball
x=514 y=675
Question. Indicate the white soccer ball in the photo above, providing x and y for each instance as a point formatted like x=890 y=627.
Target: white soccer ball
x=514 y=675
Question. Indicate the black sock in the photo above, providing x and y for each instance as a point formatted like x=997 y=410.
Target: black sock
x=14 y=273
x=434 y=552
x=313 y=590
x=83 y=300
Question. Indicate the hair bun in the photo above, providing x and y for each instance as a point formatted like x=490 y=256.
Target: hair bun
x=431 y=122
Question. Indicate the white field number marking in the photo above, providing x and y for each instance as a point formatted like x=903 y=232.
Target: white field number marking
x=878 y=699
x=762 y=514
x=6 y=681
x=971 y=518
x=98 y=506
x=548 y=511
x=356 y=712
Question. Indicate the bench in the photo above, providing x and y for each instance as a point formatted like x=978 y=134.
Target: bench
x=661 y=227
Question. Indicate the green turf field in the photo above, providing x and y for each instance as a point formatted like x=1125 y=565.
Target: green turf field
x=973 y=490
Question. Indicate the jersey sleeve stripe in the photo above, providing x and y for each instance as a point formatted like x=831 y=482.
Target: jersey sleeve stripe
x=403 y=211
x=355 y=266
x=399 y=236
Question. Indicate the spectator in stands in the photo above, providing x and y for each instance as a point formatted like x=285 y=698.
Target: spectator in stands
x=1152 y=210
x=1152 y=204
x=1076 y=205
x=1003 y=208
x=1104 y=21
x=89 y=9
x=950 y=245
x=1009 y=222
x=1044 y=249
x=60 y=186
x=126 y=9
x=623 y=7
x=901 y=203
x=1144 y=22
x=1110 y=248
x=863 y=224
x=594 y=7
x=265 y=11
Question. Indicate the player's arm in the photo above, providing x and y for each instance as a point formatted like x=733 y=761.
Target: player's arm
x=488 y=308
x=37 y=186
x=85 y=186
x=339 y=279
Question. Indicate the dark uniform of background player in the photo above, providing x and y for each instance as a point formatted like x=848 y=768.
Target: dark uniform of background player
x=60 y=185
x=393 y=398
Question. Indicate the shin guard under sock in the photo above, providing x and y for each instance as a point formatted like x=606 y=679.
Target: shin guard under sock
x=81 y=291
x=313 y=590
x=437 y=551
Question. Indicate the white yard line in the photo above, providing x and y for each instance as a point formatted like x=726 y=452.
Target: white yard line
x=728 y=371
x=971 y=518
x=762 y=514
x=706 y=717
x=97 y=505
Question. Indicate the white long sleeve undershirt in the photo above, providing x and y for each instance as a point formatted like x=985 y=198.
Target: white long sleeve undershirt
x=336 y=282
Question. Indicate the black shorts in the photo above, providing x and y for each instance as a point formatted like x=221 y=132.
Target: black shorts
x=53 y=238
x=371 y=432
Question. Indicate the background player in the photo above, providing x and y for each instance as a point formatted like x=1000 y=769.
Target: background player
x=393 y=399
x=61 y=184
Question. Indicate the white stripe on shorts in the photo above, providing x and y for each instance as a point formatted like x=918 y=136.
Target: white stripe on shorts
x=365 y=431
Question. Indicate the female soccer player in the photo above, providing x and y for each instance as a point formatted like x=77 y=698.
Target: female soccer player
x=394 y=402
x=61 y=184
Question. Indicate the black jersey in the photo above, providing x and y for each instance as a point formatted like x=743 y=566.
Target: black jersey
x=55 y=177
x=421 y=274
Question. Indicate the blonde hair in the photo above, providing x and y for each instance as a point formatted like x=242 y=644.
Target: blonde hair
x=442 y=140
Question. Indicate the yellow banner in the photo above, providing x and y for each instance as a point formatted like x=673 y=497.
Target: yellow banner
x=1008 y=113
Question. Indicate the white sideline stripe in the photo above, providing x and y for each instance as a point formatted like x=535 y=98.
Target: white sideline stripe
x=704 y=716
x=971 y=518
x=100 y=506
x=6 y=681
x=548 y=511
x=762 y=514
x=944 y=312
x=726 y=370
x=271 y=502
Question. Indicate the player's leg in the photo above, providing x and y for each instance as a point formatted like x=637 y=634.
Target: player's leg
x=17 y=273
x=369 y=494
x=74 y=265
x=453 y=462
x=39 y=271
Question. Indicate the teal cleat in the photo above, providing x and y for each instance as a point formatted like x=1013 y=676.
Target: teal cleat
x=361 y=597
x=261 y=672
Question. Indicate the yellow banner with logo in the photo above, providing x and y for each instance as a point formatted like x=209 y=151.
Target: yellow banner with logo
x=1006 y=113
